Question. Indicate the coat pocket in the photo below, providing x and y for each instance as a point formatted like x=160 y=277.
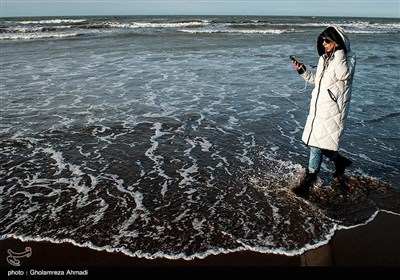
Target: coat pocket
x=332 y=96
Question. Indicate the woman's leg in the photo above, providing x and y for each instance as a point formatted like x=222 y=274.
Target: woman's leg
x=332 y=155
x=315 y=160
x=302 y=187
x=341 y=163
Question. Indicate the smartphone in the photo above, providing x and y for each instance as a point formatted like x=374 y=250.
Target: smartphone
x=293 y=58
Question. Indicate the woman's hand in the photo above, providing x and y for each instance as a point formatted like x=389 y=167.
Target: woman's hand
x=299 y=67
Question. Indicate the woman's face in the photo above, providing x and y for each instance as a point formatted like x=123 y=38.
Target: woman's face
x=328 y=45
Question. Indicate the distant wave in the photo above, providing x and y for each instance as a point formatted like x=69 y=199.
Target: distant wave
x=243 y=31
x=61 y=28
x=351 y=24
x=371 y=32
x=27 y=36
x=136 y=25
x=52 y=21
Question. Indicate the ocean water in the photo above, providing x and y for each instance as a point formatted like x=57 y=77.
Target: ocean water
x=179 y=137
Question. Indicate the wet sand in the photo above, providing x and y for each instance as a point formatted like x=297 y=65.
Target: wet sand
x=375 y=245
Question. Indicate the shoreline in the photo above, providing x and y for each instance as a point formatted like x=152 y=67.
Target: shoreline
x=376 y=244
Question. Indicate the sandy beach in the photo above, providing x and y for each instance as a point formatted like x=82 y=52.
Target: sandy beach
x=375 y=245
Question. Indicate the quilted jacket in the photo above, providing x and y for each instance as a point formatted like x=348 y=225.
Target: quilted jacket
x=330 y=98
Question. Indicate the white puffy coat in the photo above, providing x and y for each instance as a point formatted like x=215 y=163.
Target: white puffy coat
x=330 y=98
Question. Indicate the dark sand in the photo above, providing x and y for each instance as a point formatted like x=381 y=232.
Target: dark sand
x=375 y=245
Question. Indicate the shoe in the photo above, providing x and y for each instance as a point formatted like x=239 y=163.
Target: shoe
x=341 y=163
x=303 y=187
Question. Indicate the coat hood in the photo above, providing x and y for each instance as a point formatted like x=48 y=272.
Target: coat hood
x=336 y=34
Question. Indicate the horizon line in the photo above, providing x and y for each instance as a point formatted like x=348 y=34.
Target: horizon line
x=205 y=15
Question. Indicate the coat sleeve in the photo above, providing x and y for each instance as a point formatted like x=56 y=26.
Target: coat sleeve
x=308 y=76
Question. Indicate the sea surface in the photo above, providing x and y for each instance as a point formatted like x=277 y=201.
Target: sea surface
x=180 y=137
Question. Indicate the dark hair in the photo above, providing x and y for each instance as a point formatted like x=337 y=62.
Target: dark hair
x=331 y=34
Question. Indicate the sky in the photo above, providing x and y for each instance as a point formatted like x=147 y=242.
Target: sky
x=343 y=8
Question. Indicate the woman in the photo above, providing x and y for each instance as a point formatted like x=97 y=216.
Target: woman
x=330 y=100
